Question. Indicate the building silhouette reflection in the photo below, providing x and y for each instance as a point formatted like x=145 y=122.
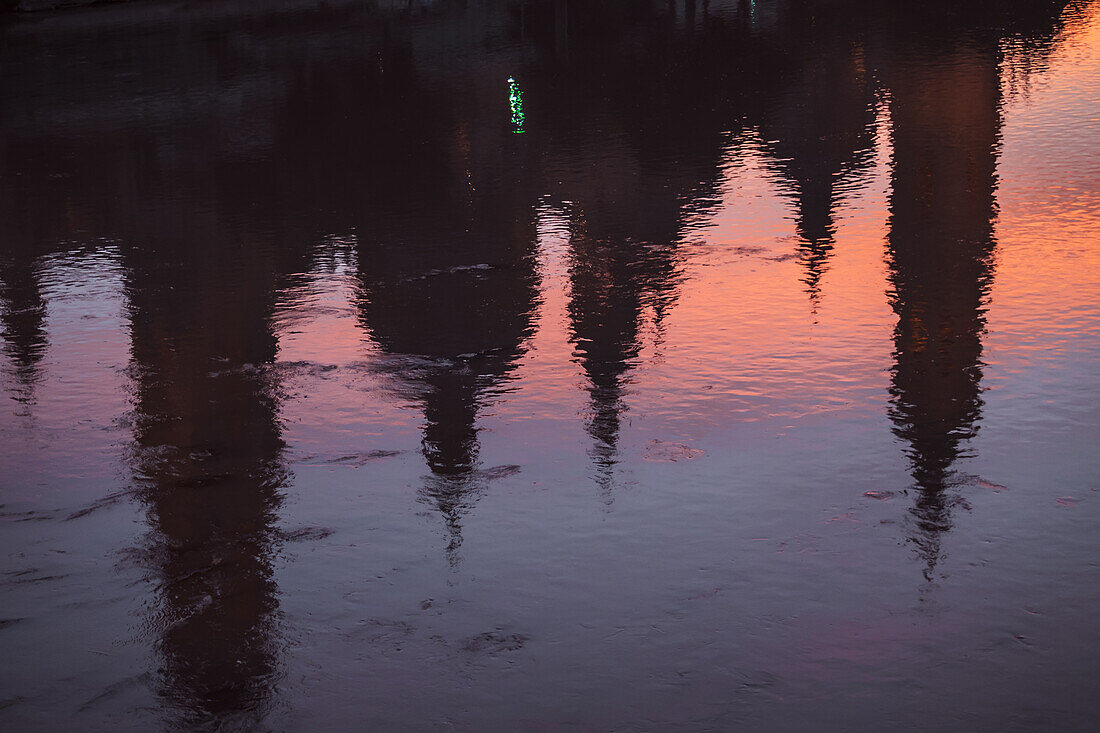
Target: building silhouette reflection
x=944 y=88
x=808 y=79
x=614 y=280
x=628 y=185
x=439 y=194
x=208 y=456
x=945 y=130
x=206 y=242
x=818 y=123
x=208 y=465
x=42 y=213
x=446 y=252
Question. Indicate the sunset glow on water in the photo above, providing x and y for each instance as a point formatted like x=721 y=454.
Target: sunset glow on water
x=754 y=386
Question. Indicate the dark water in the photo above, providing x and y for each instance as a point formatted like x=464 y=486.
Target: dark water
x=550 y=365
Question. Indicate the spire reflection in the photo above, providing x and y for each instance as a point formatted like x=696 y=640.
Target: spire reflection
x=945 y=105
x=208 y=465
x=631 y=183
x=946 y=123
x=819 y=127
x=614 y=279
x=448 y=287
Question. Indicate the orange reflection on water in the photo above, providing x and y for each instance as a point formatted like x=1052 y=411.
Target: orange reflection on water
x=747 y=341
x=875 y=240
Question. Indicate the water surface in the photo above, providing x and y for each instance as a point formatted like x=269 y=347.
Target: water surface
x=550 y=365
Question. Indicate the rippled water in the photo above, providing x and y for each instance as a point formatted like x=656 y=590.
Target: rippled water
x=550 y=365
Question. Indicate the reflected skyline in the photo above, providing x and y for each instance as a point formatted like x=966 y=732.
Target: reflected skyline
x=461 y=314
x=649 y=131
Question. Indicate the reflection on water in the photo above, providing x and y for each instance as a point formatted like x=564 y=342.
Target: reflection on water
x=615 y=278
x=24 y=315
x=946 y=120
x=819 y=129
x=446 y=268
x=207 y=464
x=220 y=152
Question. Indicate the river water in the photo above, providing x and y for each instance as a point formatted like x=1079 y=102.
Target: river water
x=550 y=365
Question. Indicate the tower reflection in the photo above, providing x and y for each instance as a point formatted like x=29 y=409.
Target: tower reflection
x=616 y=275
x=209 y=240
x=448 y=287
x=208 y=465
x=628 y=184
x=945 y=105
x=818 y=124
x=946 y=123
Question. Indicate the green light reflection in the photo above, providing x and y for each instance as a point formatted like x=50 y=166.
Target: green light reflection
x=515 y=101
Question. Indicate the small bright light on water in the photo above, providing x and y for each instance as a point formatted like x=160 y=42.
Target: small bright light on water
x=515 y=101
